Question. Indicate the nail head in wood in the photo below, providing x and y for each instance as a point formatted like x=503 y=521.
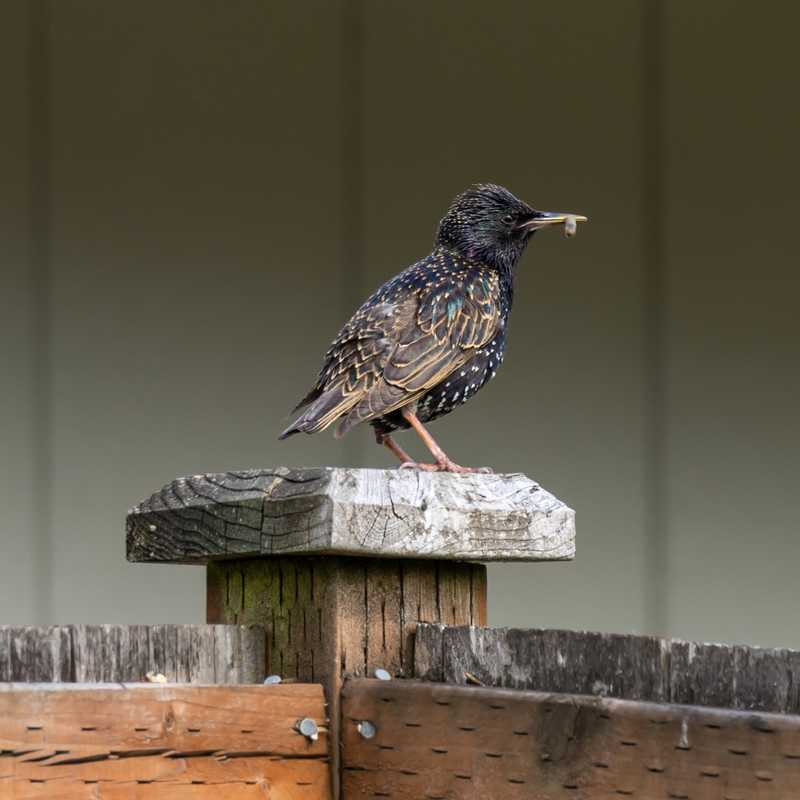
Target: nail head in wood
x=308 y=728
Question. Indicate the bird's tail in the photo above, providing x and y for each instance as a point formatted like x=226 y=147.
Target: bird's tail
x=322 y=412
x=382 y=398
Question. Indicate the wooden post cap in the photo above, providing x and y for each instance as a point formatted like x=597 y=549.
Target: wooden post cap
x=341 y=511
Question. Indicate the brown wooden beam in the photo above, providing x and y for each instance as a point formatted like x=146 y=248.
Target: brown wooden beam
x=427 y=740
x=164 y=741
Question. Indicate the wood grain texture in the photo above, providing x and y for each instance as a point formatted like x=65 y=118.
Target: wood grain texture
x=329 y=614
x=613 y=665
x=168 y=778
x=226 y=654
x=117 y=741
x=400 y=513
x=441 y=741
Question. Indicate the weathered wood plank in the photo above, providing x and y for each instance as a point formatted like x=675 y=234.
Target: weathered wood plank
x=115 y=741
x=614 y=665
x=428 y=655
x=303 y=634
x=157 y=777
x=419 y=604
x=114 y=718
x=478 y=594
x=351 y=511
x=40 y=654
x=384 y=617
x=443 y=741
x=126 y=653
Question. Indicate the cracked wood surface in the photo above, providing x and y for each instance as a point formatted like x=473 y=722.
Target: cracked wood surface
x=118 y=741
x=615 y=665
x=226 y=654
x=368 y=512
x=460 y=743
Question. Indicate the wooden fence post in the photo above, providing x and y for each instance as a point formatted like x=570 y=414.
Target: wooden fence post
x=356 y=573
x=339 y=565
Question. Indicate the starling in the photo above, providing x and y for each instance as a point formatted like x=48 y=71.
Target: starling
x=431 y=337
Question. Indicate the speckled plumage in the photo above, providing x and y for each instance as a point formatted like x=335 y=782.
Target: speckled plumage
x=427 y=340
x=447 y=282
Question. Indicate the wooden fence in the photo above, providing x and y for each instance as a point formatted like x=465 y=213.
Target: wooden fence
x=406 y=740
x=612 y=665
x=67 y=731
x=106 y=742
x=613 y=716
x=109 y=653
x=325 y=565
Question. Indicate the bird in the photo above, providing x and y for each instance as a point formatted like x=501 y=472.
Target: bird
x=431 y=337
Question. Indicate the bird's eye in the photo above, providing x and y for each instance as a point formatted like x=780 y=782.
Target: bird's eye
x=508 y=219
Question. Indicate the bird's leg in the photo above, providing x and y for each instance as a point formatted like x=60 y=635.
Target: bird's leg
x=386 y=440
x=443 y=462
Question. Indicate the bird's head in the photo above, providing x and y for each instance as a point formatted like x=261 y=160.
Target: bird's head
x=489 y=224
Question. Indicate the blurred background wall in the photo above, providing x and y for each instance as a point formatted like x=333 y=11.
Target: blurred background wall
x=195 y=195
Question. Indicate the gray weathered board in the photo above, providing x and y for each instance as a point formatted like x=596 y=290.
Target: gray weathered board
x=628 y=667
x=225 y=654
x=367 y=512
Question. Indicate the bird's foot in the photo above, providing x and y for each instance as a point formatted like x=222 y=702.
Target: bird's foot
x=453 y=467
x=417 y=465
x=444 y=466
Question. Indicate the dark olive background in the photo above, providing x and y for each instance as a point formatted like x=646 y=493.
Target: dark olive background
x=194 y=195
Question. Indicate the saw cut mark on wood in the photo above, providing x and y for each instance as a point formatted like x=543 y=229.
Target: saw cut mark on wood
x=161 y=742
x=613 y=665
x=367 y=512
x=460 y=743
x=227 y=654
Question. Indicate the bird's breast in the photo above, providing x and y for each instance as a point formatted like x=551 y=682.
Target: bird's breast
x=463 y=383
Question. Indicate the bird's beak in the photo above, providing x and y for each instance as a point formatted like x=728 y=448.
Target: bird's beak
x=543 y=219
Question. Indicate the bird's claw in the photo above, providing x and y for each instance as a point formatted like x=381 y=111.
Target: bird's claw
x=444 y=466
x=421 y=467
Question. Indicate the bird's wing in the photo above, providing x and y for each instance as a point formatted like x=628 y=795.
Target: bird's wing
x=354 y=362
x=451 y=321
